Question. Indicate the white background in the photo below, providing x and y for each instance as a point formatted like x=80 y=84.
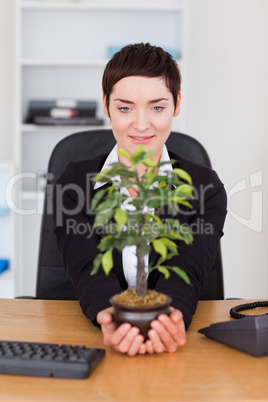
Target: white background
x=227 y=113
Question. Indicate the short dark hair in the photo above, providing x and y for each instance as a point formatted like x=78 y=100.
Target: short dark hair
x=141 y=60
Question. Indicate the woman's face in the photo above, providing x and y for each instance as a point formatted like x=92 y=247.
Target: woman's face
x=141 y=111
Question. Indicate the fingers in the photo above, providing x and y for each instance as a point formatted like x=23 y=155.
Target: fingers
x=155 y=345
x=149 y=347
x=124 y=339
x=105 y=316
x=175 y=327
x=167 y=333
x=131 y=342
x=142 y=349
x=161 y=339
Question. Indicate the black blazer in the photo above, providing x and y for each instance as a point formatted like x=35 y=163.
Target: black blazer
x=77 y=241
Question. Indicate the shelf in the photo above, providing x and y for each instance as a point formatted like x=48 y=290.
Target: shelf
x=31 y=128
x=105 y=5
x=63 y=63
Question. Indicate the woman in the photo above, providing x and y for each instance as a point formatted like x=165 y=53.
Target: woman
x=141 y=95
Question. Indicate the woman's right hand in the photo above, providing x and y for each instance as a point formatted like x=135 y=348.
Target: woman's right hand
x=124 y=339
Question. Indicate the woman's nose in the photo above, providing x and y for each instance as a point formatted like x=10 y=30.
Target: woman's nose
x=141 y=122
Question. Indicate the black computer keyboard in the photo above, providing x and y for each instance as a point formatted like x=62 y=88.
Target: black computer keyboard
x=48 y=360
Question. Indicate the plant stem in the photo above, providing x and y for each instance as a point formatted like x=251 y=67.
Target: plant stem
x=141 y=277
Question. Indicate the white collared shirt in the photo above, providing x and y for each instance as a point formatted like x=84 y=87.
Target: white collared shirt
x=129 y=259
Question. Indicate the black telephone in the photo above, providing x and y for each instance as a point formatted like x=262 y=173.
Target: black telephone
x=249 y=333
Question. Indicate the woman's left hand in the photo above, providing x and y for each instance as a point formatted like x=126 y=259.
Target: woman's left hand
x=166 y=333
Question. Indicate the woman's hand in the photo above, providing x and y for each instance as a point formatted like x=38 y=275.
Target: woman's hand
x=124 y=339
x=167 y=333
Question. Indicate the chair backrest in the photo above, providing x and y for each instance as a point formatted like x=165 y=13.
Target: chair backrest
x=52 y=282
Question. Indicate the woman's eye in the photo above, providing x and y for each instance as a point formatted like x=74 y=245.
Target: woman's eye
x=158 y=108
x=124 y=109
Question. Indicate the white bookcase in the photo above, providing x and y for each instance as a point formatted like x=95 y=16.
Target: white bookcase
x=61 y=49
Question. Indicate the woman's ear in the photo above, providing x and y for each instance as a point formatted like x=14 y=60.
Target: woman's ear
x=105 y=107
x=178 y=105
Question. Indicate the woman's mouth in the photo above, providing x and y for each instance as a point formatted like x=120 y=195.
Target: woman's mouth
x=140 y=139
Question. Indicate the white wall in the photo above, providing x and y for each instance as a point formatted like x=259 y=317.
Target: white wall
x=228 y=87
x=6 y=79
x=228 y=100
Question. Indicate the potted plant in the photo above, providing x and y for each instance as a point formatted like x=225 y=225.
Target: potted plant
x=127 y=221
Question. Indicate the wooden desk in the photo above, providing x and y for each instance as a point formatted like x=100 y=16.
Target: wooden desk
x=202 y=370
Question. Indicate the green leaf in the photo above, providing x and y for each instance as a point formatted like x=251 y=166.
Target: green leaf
x=179 y=200
x=160 y=248
x=122 y=240
x=152 y=230
x=162 y=179
x=106 y=243
x=103 y=218
x=172 y=254
x=107 y=261
x=97 y=197
x=149 y=162
x=102 y=176
x=174 y=209
x=134 y=217
x=183 y=175
x=149 y=153
x=112 y=229
x=162 y=184
x=150 y=176
x=140 y=150
x=176 y=235
x=122 y=152
x=169 y=243
x=120 y=218
x=137 y=202
x=111 y=189
x=150 y=216
x=126 y=183
x=104 y=206
x=125 y=172
x=155 y=203
x=164 y=271
x=139 y=155
x=187 y=234
x=96 y=264
x=184 y=190
x=172 y=161
x=182 y=274
x=116 y=165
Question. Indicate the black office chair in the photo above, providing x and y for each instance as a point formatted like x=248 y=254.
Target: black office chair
x=52 y=282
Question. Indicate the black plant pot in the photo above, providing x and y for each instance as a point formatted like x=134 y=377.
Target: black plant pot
x=138 y=316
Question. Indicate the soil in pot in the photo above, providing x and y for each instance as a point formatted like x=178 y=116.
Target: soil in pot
x=129 y=307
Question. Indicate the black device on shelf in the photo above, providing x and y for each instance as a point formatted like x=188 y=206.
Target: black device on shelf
x=48 y=360
x=74 y=121
x=63 y=112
